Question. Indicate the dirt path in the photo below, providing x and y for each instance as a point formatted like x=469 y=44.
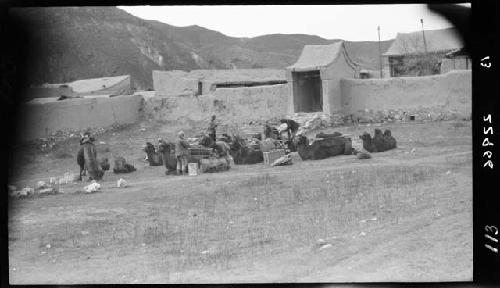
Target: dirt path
x=255 y=224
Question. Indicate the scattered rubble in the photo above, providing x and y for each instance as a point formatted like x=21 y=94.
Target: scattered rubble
x=325 y=246
x=322 y=244
x=41 y=185
x=121 y=183
x=46 y=191
x=50 y=143
x=283 y=161
x=93 y=187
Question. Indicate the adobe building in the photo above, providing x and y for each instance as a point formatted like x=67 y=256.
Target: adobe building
x=456 y=60
x=413 y=55
x=86 y=88
x=116 y=85
x=314 y=80
x=204 y=82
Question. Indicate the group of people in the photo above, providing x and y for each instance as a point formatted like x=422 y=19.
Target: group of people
x=182 y=145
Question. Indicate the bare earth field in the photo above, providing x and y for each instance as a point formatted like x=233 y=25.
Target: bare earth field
x=404 y=215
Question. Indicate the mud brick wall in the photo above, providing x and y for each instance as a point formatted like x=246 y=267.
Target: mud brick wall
x=439 y=97
x=230 y=105
x=42 y=120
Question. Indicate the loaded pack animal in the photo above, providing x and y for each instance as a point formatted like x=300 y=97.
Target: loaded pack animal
x=154 y=157
x=166 y=150
x=380 y=142
x=206 y=141
x=80 y=160
x=104 y=162
x=243 y=153
x=90 y=162
x=220 y=148
x=325 y=135
x=121 y=166
x=321 y=148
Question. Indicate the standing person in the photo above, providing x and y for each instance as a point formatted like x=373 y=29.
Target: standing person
x=211 y=128
x=86 y=137
x=181 y=153
x=90 y=158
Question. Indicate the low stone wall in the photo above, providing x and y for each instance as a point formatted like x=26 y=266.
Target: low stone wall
x=439 y=97
x=46 y=119
x=231 y=105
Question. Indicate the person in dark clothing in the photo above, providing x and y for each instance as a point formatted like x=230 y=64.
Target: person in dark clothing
x=80 y=158
x=292 y=127
x=211 y=128
x=87 y=158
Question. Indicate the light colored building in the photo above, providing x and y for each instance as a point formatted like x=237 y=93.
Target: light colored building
x=410 y=55
x=314 y=80
x=456 y=60
x=203 y=82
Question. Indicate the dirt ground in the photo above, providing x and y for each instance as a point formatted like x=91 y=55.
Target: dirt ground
x=404 y=215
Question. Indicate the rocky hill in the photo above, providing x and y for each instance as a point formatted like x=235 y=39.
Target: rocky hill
x=71 y=43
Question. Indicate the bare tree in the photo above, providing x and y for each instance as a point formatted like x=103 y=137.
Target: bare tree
x=415 y=61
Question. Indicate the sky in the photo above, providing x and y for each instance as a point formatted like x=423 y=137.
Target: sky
x=347 y=22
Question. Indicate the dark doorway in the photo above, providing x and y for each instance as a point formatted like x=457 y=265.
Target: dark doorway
x=307 y=91
x=200 y=88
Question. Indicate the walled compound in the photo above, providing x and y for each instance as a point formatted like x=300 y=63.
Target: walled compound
x=330 y=88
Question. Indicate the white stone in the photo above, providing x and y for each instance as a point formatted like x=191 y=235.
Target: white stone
x=121 y=183
x=93 y=187
x=41 y=184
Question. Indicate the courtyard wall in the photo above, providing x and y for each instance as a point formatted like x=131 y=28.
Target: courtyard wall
x=439 y=97
x=449 y=93
x=236 y=105
x=44 y=119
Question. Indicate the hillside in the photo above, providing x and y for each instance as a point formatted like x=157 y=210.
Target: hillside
x=87 y=42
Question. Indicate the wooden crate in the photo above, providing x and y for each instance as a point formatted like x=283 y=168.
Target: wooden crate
x=200 y=151
x=252 y=135
x=193 y=169
x=196 y=154
x=271 y=156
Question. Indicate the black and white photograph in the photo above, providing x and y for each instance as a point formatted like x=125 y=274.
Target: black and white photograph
x=211 y=144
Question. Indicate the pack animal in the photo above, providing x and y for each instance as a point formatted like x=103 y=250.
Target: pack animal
x=80 y=160
x=380 y=142
x=166 y=150
x=244 y=154
x=90 y=161
x=154 y=157
x=206 y=141
x=104 y=162
x=121 y=166
x=322 y=148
